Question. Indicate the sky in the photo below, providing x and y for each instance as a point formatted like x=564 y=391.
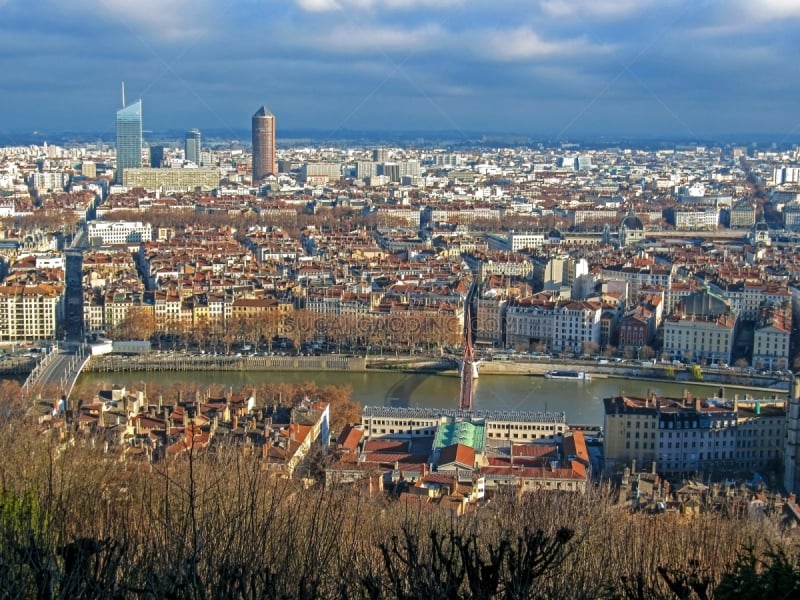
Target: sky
x=557 y=68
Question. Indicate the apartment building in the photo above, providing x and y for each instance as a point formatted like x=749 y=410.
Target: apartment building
x=772 y=336
x=556 y=326
x=688 y=219
x=118 y=232
x=691 y=435
x=703 y=327
x=172 y=180
x=30 y=312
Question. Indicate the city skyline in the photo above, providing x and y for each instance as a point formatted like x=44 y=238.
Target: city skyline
x=548 y=67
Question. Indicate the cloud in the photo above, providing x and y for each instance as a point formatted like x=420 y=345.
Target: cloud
x=210 y=61
x=523 y=43
x=771 y=10
x=354 y=39
x=172 y=20
x=609 y=9
x=318 y=5
x=748 y=16
x=331 y=5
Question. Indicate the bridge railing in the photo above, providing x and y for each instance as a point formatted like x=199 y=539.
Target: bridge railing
x=67 y=379
x=39 y=367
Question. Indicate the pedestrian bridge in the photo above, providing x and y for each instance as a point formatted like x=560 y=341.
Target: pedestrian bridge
x=55 y=375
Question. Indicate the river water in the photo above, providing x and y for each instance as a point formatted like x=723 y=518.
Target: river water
x=581 y=401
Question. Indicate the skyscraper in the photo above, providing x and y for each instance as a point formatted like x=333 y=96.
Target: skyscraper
x=263 y=144
x=157 y=154
x=129 y=138
x=192 y=146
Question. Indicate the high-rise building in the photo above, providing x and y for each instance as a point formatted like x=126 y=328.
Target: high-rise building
x=192 y=146
x=157 y=156
x=129 y=138
x=263 y=144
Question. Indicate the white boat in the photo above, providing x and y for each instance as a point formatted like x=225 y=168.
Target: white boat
x=566 y=374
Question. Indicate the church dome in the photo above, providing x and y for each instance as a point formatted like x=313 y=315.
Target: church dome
x=631 y=221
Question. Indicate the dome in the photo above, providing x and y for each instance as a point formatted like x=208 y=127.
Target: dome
x=631 y=221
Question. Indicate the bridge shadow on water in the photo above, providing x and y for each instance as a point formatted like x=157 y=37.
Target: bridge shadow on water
x=399 y=395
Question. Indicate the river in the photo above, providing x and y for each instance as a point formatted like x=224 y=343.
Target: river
x=581 y=401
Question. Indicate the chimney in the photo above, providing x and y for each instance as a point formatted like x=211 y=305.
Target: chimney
x=653 y=468
x=633 y=466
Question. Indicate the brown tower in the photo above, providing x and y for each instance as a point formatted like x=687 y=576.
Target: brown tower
x=263 y=144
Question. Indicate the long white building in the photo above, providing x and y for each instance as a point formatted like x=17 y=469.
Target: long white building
x=118 y=232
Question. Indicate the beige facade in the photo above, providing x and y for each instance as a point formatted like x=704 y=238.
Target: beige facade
x=30 y=312
x=771 y=347
x=700 y=338
x=508 y=426
x=172 y=180
x=690 y=435
x=489 y=315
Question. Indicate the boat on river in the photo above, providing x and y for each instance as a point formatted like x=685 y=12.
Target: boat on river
x=566 y=374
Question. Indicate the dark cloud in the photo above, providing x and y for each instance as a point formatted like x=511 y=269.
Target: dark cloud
x=605 y=66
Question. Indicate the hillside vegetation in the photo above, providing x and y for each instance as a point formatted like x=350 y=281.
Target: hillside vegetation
x=76 y=522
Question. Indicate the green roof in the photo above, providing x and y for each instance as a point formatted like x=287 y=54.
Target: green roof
x=460 y=432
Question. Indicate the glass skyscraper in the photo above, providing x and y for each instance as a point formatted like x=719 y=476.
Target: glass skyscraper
x=129 y=138
x=192 y=146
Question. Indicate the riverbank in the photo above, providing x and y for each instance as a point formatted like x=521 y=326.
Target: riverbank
x=186 y=362
x=656 y=373
x=424 y=365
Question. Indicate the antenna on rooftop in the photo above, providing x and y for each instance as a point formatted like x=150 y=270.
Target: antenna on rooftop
x=123 y=94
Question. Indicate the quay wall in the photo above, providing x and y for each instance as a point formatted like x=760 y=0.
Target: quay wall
x=111 y=363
